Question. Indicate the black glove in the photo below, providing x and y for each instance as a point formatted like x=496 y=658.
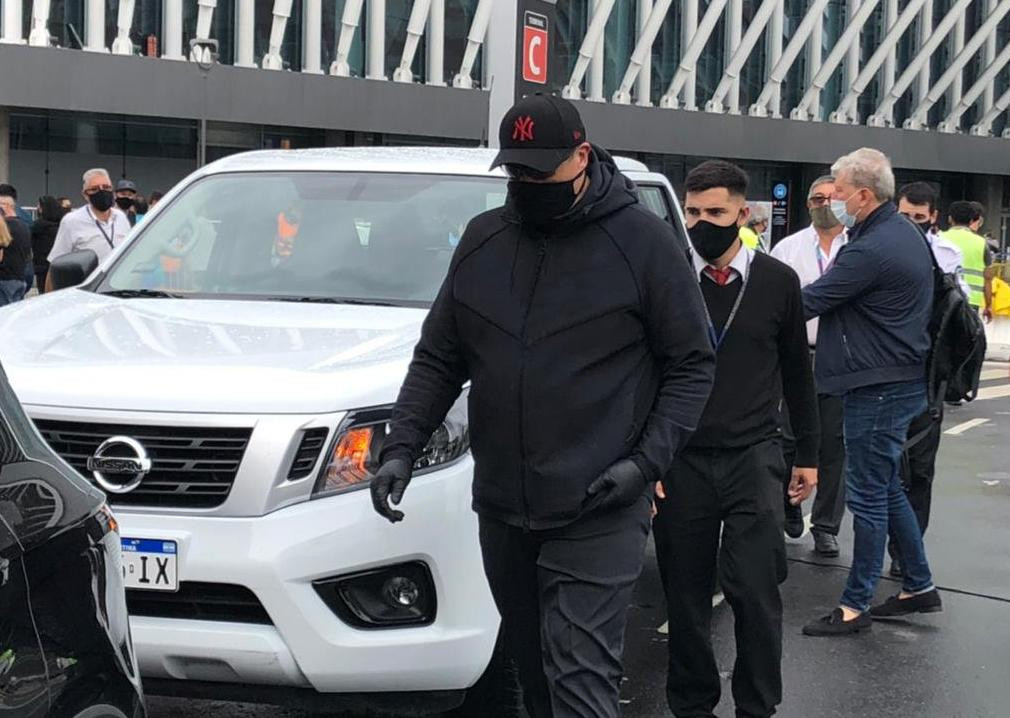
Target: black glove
x=620 y=485
x=389 y=483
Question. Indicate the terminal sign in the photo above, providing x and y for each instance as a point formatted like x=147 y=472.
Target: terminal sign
x=535 y=48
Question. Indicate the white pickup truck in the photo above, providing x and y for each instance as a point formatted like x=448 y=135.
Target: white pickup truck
x=226 y=377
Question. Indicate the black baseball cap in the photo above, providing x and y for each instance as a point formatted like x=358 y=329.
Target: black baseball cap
x=125 y=185
x=540 y=132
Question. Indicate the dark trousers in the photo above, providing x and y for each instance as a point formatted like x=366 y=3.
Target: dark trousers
x=736 y=494
x=829 y=501
x=563 y=596
x=918 y=467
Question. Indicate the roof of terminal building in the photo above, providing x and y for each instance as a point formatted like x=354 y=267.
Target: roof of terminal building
x=421 y=160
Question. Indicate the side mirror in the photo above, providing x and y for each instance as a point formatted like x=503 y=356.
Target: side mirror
x=72 y=269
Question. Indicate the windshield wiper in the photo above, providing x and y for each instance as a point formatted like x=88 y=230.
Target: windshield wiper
x=335 y=300
x=142 y=294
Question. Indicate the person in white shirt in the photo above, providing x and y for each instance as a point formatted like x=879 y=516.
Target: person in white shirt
x=917 y=201
x=811 y=252
x=98 y=225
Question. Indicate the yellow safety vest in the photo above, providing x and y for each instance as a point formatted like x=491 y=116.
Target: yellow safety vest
x=972 y=261
x=749 y=237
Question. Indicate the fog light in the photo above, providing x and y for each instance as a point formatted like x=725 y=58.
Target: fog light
x=401 y=591
x=388 y=597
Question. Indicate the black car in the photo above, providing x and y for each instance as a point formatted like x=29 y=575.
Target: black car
x=65 y=648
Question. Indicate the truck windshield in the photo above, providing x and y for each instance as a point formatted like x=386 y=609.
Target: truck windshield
x=306 y=236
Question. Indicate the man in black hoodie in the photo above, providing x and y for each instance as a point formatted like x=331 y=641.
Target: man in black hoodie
x=574 y=316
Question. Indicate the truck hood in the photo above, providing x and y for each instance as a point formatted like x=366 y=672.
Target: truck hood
x=82 y=350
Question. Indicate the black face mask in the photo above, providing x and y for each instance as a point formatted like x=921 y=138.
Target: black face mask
x=926 y=227
x=124 y=203
x=711 y=241
x=539 y=203
x=102 y=200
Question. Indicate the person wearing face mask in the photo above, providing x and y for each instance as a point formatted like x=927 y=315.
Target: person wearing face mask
x=126 y=195
x=720 y=506
x=99 y=225
x=574 y=316
x=875 y=305
x=811 y=252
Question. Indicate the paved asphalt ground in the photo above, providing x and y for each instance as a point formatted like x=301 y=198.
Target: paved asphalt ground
x=953 y=665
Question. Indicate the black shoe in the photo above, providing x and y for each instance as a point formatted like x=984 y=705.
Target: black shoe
x=825 y=544
x=834 y=625
x=896 y=571
x=794 y=521
x=895 y=607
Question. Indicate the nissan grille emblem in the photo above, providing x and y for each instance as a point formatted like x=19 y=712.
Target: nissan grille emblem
x=119 y=464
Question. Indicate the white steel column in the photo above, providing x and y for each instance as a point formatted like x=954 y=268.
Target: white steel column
x=641 y=57
x=245 y=26
x=39 y=34
x=591 y=43
x=94 y=26
x=813 y=18
x=123 y=45
x=594 y=81
x=984 y=126
x=988 y=55
x=847 y=108
x=643 y=89
x=688 y=28
x=851 y=34
x=474 y=39
x=890 y=61
x=957 y=86
x=375 y=43
x=851 y=67
x=171 y=40
x=500 y=65
x=272 y=60
x=685 y=74
x=731 y=76
x=312 y=36
x=952 y=123
x=348 y=26
x=917 y=120
x=734 y=33
x=815 y=57
x=882 y=117
x=436 y=43
x=925 y=33
x=773 y=45
x=415 y=29
x=12 y=23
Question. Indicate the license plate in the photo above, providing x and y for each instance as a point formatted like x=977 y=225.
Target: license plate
x=150 y=564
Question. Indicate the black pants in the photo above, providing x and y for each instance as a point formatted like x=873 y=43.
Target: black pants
x=738 y=494
x=563 y=596
x=918 y=468
x=829 y=501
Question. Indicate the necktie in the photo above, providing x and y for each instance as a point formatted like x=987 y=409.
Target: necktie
x=721 y=276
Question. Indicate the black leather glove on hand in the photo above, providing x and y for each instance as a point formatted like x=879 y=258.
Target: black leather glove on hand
x=388 y=485
x=621 y=485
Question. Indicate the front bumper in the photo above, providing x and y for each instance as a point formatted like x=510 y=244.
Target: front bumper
x=279 y=555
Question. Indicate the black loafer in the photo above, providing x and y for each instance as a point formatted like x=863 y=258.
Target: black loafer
x=895 y=607
x=825 y=544
x=834 y=625
x=794 y=521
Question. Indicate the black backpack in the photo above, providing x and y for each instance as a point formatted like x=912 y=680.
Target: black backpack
x=957 y=335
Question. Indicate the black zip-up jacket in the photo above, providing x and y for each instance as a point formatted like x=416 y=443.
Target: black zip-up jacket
x=584 y=345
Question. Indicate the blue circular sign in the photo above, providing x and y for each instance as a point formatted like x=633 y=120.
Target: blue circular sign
x=780 y=191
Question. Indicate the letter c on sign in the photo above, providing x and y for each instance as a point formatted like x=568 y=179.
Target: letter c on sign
x=535 y=42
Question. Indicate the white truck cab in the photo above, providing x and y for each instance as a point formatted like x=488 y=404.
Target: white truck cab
x=226 y=377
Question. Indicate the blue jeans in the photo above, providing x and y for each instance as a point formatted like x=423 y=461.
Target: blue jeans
x=876 y=425
x=11 y=290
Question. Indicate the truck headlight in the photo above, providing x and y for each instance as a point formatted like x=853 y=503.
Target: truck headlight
x=354 y=454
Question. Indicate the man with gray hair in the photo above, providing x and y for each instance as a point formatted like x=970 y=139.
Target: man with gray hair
x=757 y=224
x=98 y=225
x=875 y=304
x=810 y=253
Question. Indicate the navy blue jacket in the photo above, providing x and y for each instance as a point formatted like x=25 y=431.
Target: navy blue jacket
x=874 y=304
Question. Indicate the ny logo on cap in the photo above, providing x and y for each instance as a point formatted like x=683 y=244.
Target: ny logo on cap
x=523 y=129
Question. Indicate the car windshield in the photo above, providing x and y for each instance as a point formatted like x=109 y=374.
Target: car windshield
x=306 y=236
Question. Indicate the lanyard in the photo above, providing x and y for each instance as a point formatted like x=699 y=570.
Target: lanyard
x=717 y=337
x=820 y=259
x=102 y=229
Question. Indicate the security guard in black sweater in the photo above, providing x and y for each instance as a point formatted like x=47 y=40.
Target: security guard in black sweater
x=727 y=483
x=575 y=317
